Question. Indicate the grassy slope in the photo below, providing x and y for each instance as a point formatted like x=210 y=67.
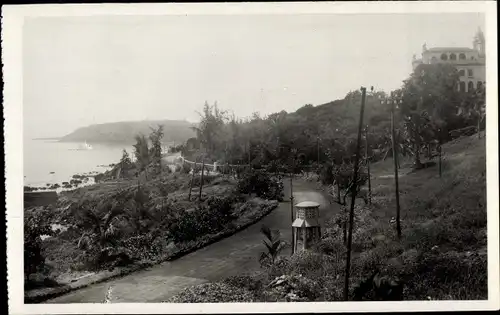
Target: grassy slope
x=442 y=254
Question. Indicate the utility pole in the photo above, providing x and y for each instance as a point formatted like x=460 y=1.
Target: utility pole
x=353 y=196
x=192 y=181
x=440 y=152
x=368 y=167
x=317 y=144
x=201 y=179
x=249 y=157
x=291 y=212
x=395 y=158
x=291 y=202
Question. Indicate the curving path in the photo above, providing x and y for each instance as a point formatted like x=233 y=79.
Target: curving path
x=234 y=255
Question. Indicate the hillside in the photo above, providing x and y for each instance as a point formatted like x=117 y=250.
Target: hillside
x=124 y=132
x=440 y=256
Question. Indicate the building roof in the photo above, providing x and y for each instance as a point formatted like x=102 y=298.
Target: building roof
x=449 y=49
x=307 y=204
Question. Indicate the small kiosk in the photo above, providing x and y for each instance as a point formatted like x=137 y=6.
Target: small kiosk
x=306 y=224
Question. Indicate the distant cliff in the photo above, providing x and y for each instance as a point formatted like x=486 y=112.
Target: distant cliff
x=124 y=132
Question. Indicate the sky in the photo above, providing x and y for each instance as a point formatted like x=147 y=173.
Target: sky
x=79 y=71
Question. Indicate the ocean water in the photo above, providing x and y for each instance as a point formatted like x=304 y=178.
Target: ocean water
x=41 y=157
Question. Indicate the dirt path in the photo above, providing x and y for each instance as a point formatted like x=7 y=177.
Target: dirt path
x=235 y=255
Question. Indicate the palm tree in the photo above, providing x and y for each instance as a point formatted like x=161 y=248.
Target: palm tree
x=273 y=244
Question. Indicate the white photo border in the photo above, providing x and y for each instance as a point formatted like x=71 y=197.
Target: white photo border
x=12 y=23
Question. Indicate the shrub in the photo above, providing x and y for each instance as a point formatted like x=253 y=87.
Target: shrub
x=262 y=184
x=292 y=288
x=186 y=168
x=244 y=281
x=442 y=276
x=326 y=174
x=221 y=207
x=212 y=293
x=274 y=246
x=208 y=218
x=35 y=224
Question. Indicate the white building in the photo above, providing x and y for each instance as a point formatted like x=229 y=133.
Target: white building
x=470 y=62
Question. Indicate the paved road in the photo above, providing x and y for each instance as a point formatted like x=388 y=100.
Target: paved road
x=232 y=256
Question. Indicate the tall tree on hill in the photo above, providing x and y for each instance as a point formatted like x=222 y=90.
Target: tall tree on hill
x=141 y=152
x=211 y=124
x=125 y=162
x=429 y=94
x=155 y=151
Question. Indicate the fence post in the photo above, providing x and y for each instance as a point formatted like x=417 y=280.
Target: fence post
x=201 y=179
x=192 y=181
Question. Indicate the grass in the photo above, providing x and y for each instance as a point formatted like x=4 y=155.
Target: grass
x=443 y=241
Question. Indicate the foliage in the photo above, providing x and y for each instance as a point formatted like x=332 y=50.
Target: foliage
x=96 y=218
x=212 y=120
x=262 y=184
x=292 y=288
x=212 y=293
x=142 y=152
x=473 y=106
x=274 y=246
x=125 y=162
x=208 y=218
x=428 y=103
x=36 y=224
x=155 y=151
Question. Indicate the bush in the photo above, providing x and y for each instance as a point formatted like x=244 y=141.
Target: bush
x=262 y=184
x=208 y=218
x=326 y=175
x=212 y=293
x=442 y=276
x=292 y=288
x=245 y=282
x=35 y=224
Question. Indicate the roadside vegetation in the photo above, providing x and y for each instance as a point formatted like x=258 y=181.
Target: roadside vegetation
x=442 y=255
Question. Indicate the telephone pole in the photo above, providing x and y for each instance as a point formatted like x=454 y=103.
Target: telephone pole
x=201 y=179
x=291 y=200
x=317 y=144
x=393 y=101
x=353 y=196
x=368 y=167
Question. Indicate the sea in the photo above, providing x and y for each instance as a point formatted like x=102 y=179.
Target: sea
x=50 y=161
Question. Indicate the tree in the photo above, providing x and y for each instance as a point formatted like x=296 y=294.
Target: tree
x=473 y=106
x=125 y=161
x=141 y=152
x=429 y=94
x=97 y=217
x=274 y=246
x=211 y=124
x=155 y=151
x=36 y=224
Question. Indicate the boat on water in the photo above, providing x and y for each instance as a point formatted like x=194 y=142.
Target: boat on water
x=85 y=146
